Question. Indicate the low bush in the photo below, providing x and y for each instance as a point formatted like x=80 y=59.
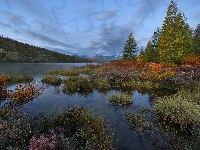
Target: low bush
x=78 y=84
x=77 y=128
x=178 y=109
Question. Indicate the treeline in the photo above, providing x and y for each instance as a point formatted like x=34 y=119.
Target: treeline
x=13 y=51
x=174 y=43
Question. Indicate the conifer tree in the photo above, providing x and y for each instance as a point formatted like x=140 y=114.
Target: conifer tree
x=141 y=55
x=151 y=52
x=148 y=53
x=196 y=39
x=130 y=48
x=175 y=38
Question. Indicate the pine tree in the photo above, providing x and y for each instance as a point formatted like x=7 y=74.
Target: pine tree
x=196 y=39
x=130 y=48
x=175 y=38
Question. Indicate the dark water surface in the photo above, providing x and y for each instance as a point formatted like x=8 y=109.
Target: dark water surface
x=53 y=99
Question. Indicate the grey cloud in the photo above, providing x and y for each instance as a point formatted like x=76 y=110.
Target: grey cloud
x=15 y=19
x=43 y=38
x=147 y=8
x=111 y=12
x=107 y=15
x=110 y=40
x=33 y=8
x=5 y=24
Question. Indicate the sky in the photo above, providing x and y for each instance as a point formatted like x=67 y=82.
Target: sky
x=88 y=27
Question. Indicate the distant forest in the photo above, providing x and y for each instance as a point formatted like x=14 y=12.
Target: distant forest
x=12 y=51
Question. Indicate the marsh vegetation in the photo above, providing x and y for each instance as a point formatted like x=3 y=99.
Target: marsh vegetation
x=171 y=121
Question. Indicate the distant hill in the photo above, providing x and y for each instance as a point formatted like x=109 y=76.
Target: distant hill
x=12 y=51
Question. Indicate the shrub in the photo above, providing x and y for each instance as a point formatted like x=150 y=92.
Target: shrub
x=43 y=142
x=155 y=74
x=23 y=93
x=78 y=84
x=102 y=84
x=178 y=109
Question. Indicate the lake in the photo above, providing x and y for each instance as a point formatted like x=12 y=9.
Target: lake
x=54 y=99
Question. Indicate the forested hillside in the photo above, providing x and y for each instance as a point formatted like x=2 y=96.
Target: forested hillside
x=18 y=52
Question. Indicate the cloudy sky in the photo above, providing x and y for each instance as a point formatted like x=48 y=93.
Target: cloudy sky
x=87 y=27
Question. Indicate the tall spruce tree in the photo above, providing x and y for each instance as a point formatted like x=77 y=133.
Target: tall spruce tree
x=196 y=38
x=130 y=49
x=175 y=38
x=151 y=52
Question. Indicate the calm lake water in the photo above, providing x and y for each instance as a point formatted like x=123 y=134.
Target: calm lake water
x=53 y=99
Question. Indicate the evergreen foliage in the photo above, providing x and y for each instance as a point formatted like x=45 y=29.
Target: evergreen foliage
x=176 y=37
x=151 y=52
x=196 y=38
x=17 y=52
x=130 y=48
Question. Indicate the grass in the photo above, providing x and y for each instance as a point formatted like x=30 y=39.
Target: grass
x=52 y=80
x=19 y=78
x=123 y=100
x=78 y=84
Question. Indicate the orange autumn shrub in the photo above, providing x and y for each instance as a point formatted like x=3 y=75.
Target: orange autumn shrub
x=156 y=73
x=193 y=61
x=105 y=66
x=3 y=82
x=24 y=92
x=155 y=67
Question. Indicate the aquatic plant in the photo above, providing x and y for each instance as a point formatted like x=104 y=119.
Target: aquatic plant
x=123 y=99
x=78 y=84
x=102 y=84
x=160 y=133
x=178 y=109
x=92 y=128
x=138 y=121
x=54 y=71
x=19 y=78
x=52 y=80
